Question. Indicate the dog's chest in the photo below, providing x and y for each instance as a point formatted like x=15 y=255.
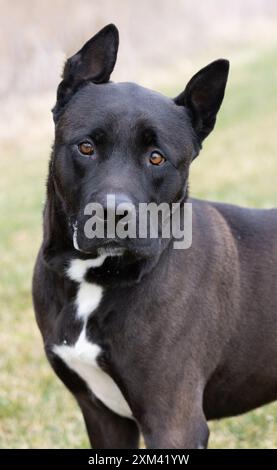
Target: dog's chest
x=82 y=356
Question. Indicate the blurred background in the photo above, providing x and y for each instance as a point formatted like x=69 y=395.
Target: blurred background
x=162 y=44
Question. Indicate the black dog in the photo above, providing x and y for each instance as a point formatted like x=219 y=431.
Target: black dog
x=148 y=338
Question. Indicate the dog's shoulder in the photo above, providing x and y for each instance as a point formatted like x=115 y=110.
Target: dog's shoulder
x=248 y=220
x=254 y=230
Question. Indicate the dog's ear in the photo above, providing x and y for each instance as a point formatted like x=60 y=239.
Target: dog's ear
x=203 y=96
x=94 y=62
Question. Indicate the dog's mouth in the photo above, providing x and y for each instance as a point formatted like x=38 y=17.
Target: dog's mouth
x=113 y=247
x=108 y=247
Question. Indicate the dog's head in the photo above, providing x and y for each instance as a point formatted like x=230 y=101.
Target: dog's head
x=124 y=140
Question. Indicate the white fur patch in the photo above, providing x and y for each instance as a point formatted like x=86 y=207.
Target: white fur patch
x=82 y=359
x=82 y=356
x=88 y=298
x=78 y=267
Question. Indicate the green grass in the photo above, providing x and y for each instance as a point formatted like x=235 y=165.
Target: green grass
x=238 y=164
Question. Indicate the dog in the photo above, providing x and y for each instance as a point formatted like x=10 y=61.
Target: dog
x=150 y=339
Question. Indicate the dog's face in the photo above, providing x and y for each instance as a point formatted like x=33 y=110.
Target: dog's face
x=124 y=140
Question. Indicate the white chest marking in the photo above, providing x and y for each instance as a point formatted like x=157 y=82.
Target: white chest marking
x=82 y=359
x=82 y=356
x=88 y=298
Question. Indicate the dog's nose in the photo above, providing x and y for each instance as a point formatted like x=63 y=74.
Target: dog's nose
x=117 y=206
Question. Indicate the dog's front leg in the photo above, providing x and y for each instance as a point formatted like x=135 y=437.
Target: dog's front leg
x=181 y=426
x=107 y=430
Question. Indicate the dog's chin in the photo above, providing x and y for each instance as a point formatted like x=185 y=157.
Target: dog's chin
x=120 y=265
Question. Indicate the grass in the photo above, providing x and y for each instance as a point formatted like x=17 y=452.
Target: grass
x=237 y=164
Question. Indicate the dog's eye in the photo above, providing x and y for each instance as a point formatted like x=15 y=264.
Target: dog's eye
x=156 y=158
x=86 y=148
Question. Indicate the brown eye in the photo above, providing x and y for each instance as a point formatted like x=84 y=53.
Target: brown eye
x=156 y=158
x=86 y=148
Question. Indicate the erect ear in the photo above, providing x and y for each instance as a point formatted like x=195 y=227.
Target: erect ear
x=94 y=62
x=203 y=96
